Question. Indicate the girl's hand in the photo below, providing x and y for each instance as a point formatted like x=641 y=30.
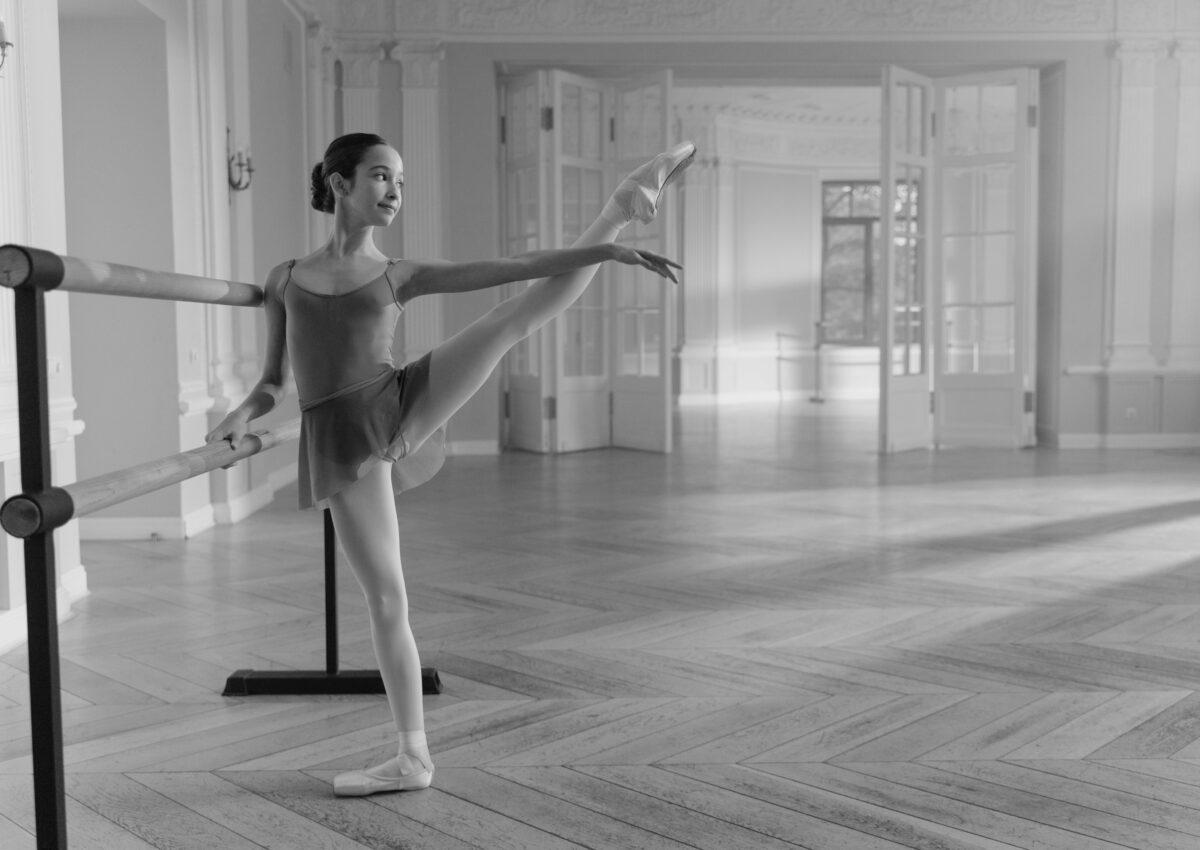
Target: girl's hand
x=647 y=260
x=232 y=429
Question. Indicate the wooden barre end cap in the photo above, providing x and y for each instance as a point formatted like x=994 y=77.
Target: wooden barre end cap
x=22 y=266
x=27 y=514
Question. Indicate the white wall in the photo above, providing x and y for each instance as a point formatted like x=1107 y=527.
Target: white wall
x=119 y=171
x=776 y=287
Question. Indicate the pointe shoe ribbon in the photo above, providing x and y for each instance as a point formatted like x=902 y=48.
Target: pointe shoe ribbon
x=378 y=780
x=638 y=194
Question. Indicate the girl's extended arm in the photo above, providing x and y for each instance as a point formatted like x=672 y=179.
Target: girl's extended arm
x=269 y=390
x=435 y=277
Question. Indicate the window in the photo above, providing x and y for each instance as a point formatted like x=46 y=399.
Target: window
x=850 y=257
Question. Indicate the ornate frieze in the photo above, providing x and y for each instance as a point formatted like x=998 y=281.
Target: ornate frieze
x=742 y=140
x=1141 y=15
x=771 y=19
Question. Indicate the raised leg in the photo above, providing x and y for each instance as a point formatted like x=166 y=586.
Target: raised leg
x=459 y=366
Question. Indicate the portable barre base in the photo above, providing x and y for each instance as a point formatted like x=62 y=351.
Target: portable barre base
x=244 y=683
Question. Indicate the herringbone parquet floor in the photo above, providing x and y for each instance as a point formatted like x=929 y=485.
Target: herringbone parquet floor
x=770 y=639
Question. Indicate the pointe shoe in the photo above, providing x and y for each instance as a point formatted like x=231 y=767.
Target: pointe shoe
x=637 y=195
x=388 y=776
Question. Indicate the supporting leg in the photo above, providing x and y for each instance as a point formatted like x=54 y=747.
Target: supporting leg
x=364 y=515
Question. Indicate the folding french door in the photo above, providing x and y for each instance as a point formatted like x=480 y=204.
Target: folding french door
x=598 y=375
x=959 y=254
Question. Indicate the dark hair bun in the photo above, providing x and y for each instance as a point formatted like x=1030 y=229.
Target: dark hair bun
x=341 y=157
x=322 y=196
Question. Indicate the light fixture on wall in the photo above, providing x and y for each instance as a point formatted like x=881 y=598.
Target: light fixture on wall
x=239 y=166
x=4 y=44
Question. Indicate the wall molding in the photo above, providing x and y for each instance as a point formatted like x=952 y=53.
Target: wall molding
x=803 y=20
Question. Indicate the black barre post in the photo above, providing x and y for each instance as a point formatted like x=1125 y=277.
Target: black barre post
x=45 y=695
x=331 y=622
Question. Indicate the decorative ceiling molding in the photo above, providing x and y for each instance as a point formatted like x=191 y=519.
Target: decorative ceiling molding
x=753 y=20
x=840 y=107
x=748 y=141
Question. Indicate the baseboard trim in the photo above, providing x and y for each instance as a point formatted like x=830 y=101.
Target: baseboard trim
x=228 y=513
x=472 y=447
x=147 y=528
x=1128 y=441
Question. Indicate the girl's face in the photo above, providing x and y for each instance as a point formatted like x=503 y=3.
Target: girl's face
x=374 y=197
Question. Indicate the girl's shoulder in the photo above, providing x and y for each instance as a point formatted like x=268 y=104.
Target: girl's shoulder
x=277 y=279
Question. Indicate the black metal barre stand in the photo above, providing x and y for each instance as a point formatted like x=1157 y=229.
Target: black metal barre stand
x=331 y=680
x=41 y=507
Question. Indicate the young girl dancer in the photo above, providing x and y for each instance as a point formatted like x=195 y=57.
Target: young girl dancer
x=335 y=313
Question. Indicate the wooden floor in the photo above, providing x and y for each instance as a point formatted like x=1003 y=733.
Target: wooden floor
x=769 y=639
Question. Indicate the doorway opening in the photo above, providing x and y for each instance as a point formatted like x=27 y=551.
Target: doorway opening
x=936 y=320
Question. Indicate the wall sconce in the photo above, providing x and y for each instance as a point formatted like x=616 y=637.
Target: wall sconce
x=4 y=44
x=240 y=168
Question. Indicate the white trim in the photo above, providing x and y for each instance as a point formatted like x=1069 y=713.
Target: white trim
x=1178 y=369
x=74 y=584
x=1128 y=441
x=236 y=510
x=147 y=528
x=61 y=431
x=462 y=448
x=195 y=398
x=72 y=588
x=240 y=507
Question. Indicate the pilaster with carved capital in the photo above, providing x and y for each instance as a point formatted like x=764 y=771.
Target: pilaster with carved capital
x=321 y=93
x=1185 y=266
x=360 y=85
x=1138 y=70
x=698 y=200
x=421 y=147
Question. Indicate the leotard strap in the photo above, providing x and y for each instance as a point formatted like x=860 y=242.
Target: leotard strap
x=388 y=278
x=291 y=264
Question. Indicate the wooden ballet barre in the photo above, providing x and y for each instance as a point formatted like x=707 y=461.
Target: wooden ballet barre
x=27 y=514
x=21 y=266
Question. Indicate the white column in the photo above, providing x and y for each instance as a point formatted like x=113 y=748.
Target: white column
x=421 y=215
x=726 y=263
x=1185 y=278
x=698 y=353
x=321 y=131
x=360 y=88
x=1133 y=245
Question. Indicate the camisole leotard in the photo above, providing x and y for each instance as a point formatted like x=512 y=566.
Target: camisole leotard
x=353 y=399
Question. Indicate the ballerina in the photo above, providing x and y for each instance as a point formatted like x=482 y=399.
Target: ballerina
x=370 y=430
